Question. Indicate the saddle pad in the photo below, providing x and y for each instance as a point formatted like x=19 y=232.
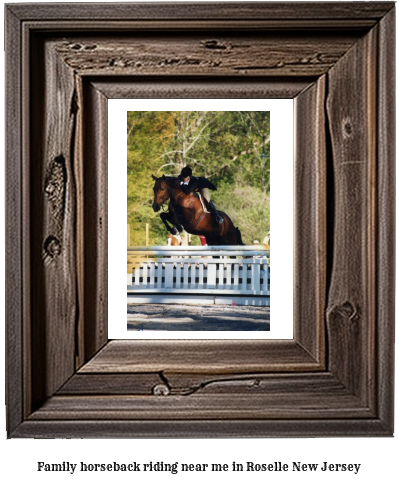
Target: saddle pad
x=202 y=203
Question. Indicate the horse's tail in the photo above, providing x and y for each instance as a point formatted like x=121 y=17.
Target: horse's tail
x=239 y=239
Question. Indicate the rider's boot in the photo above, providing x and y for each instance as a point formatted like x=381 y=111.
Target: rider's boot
x=219 y=219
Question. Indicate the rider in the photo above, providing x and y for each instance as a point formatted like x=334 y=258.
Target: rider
x=190 y=183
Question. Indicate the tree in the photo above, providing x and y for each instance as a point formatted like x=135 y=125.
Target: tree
x=231 y=148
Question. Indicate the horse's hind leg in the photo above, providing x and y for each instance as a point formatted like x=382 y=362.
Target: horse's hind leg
x=212 y=239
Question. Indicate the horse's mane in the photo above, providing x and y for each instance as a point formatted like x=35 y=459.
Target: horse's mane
x=172 y=180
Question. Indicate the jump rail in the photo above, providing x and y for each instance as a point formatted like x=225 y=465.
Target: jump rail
x=207 y=250
x=221 y=270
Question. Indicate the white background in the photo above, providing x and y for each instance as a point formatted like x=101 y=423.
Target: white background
x=378 y=456
x=281 y=214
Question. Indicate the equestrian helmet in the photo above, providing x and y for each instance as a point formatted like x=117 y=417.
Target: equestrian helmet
x=186 y=171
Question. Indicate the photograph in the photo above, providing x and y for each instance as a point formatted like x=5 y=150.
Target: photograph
x=198 y=220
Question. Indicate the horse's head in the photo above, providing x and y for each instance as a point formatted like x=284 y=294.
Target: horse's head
x=161 y=192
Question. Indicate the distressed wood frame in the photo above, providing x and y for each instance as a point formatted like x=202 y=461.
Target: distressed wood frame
x=64 y=378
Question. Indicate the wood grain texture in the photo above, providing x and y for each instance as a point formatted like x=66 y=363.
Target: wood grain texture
x=185 y=384
x=209 y=407
x=243 y=55
x=277 y=11
x=53 y=213
x=351 y=307
x=385 y=245
x=190 y=428
x=95 y=201
x=200 y=356
x=15 y=258
x=310 y=200
x=335 y=377
x=269 y=396
x=112 y=384
x=197 y=87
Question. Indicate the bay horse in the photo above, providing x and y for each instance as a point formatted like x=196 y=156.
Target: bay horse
x=185 y=211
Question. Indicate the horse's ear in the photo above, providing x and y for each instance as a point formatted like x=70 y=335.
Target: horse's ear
x=163 y=176
x=153 y=177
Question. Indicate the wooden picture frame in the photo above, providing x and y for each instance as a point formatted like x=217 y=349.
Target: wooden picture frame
x=335 y=378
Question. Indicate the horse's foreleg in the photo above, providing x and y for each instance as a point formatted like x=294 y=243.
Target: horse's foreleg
x=175 y=222
x=167 y=217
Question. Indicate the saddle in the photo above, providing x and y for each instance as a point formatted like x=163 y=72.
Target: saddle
x=202 y=215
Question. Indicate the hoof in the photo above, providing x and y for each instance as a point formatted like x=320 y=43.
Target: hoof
x=180 y=228
x=174 y=231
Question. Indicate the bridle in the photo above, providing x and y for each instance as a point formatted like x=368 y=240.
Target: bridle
x=164 y=199
x=170 y=195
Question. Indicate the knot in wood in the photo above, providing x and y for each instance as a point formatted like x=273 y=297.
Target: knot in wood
x=347 y=128
x=213 y=44
x=349 y=310
x=90 y=47
x=52 y=246
x=161 y=390
x=50 y=189
x=54 y=186
x=346 y=310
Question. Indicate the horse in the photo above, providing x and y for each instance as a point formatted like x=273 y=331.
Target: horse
x=187 y=212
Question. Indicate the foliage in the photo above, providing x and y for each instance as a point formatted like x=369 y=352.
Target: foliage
x=231 y=148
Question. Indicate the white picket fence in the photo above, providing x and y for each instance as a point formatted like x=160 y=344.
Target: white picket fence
x=200 y=270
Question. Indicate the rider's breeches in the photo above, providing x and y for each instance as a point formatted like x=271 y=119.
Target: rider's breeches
x=205 y=194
